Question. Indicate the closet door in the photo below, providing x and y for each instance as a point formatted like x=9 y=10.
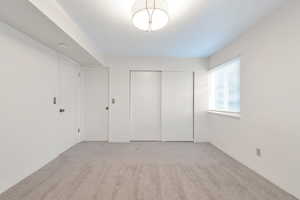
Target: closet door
x=177 y=106
x=146 y=106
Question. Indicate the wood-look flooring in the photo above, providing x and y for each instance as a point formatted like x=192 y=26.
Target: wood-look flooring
x=144 y=171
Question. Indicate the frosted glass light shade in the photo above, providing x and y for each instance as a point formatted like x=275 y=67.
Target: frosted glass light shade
x=150 y=15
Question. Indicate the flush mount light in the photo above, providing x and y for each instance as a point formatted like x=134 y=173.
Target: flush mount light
x=150 y=15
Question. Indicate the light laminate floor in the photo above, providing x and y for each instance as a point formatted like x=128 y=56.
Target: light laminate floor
x=144 y=171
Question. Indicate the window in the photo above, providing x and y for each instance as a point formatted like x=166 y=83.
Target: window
x=225 y=87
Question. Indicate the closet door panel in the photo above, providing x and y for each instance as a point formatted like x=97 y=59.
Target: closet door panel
x=146 y=106
x=177 y=106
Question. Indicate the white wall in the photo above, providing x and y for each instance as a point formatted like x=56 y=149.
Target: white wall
x=31 y=131
x=120 y=80
x=156 y=63
x=270 y=96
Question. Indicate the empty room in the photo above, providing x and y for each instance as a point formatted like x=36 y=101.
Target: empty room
x=150 y=100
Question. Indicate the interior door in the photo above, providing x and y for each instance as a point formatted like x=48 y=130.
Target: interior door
x=177 y=106
x=69 y=100
x=146 y=105
x=96 y=100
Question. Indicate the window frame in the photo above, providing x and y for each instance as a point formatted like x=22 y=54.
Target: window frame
x=217 y=68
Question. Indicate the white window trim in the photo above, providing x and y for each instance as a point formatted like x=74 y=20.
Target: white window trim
x=236 y=115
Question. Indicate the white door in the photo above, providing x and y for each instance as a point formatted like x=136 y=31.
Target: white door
x=146 y=106
x=96 y=100
x=119 y=113
x=177 y=106
x=69 y=101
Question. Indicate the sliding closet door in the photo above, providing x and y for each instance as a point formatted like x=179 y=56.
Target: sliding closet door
x=146 y=106
x=177 y=106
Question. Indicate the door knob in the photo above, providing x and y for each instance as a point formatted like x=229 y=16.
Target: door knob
x=61 y=110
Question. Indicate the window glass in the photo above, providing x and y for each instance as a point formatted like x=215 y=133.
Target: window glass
x=225 y=87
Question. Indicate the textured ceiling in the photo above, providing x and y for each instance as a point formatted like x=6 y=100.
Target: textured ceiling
x=197 y=28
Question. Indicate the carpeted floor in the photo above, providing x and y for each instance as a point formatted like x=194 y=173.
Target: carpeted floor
x=144 y=171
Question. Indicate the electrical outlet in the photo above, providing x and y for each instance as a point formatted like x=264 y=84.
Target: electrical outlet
x=258 y=152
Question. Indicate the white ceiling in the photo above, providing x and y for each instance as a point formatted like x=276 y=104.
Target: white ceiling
x=197 y=28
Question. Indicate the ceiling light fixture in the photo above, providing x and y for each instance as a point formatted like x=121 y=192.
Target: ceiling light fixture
x=150 y=15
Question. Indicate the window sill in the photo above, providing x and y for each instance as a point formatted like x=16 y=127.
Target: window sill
x=226 y=114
